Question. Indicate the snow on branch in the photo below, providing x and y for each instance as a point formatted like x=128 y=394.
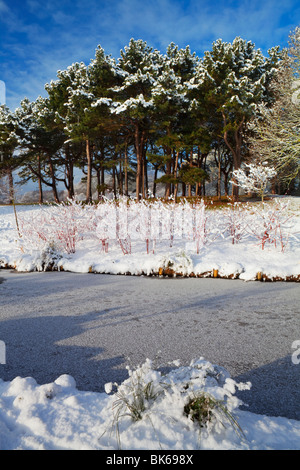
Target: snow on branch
x=255 y=178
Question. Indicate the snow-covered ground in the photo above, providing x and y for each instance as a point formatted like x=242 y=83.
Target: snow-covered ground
x=180 y=240
x=59 y=416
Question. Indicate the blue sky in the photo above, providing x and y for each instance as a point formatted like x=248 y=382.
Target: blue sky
x=37 y=38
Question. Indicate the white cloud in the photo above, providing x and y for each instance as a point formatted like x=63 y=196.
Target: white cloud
x=3 y=7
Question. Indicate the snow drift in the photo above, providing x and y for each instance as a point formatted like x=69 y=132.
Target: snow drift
x=152 y=238
x=58 y=416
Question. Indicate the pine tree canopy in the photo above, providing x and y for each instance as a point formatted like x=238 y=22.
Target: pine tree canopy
x=145 y=111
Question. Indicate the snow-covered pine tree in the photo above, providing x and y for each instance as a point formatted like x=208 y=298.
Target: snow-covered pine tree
x=233 y=78
x=133 y=101
x=110 y=133
x=71 y=96
x=9 y=142
x=30 y=132
x=171 y=109
x=41 y=144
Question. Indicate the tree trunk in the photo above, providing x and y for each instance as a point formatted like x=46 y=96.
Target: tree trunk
x=226 y=183
x=139 y=157
x=89 y=172
x=219 y=180
x=98 y=176
x=218 y=158
x=154 y=181
x=236 y=151
x=41 y=197
x=114 y=181
x=70 y=179
x=143 y=163
x=191 y=164
x=102 y=180
x=53 y=184
x=175 y=174
x=11 y=192
x=69 y=170
x=121 y=177
x=146 y=182
x=168 y=172
x=126 y=170
x=143 y=176
x=140 y=137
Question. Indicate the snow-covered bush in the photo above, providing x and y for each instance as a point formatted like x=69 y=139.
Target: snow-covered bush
x=233 y=223
x=122 y=233
x=199 y=225
x=270 y=225
x=60 y=226
x=204 y=409
x=137 y=393
x=104 y=223
x=126 y=222
x=68 y=224
x=143 y=217
x=148 y=394
x=254 y=178
x=34 y=231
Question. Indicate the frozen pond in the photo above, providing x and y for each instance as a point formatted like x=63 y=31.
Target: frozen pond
x=92 y=326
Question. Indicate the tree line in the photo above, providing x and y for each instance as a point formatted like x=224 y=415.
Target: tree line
x=175 y=114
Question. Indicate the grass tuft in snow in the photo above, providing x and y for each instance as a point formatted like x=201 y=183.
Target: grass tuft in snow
x=206 y=410
x=135 y=396
x=137 y=393
x=146 y=396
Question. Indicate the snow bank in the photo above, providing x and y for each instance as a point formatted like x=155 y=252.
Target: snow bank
x=181 y=240
x=58 y=416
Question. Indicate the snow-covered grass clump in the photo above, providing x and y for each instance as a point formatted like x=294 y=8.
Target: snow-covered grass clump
x=149 y=410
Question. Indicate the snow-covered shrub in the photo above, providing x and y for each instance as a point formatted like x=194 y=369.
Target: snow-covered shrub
x=68 y=223
x=60 y=226
x=148 y=394
x=200 y=226
x=137 y=393
x=105 y=223
x=50 y=258
x=255 y=178
x=192 y=224
x=269 y=225
x=144 y=217
x=233 y=222
x=209 y=388
x=125 y=222
x=34 y=230
x=122 y=233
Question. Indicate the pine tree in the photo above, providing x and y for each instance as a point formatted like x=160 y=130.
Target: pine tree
x=41 y=143
x=104 y=75
x=70 y=99
x=234 y=79
x=9 y=143
x=133 y=101
x=105 y=116
x=171 y=110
